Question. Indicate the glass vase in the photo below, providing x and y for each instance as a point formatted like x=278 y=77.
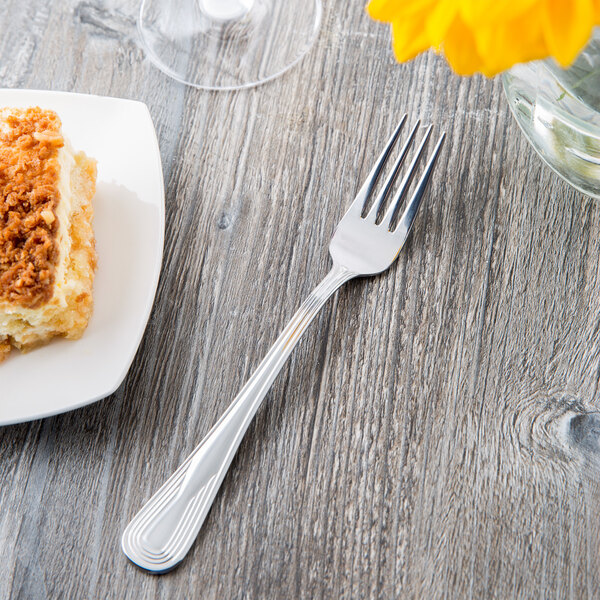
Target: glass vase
x=559 y=112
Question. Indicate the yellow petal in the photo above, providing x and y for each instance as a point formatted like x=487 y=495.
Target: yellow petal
x=505 y=44
x=489 y=35
x=409 y=38
x=567 y=26
x=478 y=13
x=440 y=20
x=461 y=50
x=391 y=10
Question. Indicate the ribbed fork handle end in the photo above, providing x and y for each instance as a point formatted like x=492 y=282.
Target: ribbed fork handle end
x=160 y=535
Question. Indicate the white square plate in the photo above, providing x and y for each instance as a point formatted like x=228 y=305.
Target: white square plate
x=129 y=220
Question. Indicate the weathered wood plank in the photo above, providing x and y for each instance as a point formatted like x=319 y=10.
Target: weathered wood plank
x=437 y=433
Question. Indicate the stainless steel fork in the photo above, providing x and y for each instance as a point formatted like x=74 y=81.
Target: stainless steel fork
x=160 y=535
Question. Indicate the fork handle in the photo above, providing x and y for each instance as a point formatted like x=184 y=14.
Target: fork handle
x=160 y=535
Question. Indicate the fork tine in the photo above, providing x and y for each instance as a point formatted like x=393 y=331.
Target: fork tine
x=359 y=202
x=391 y=211
x=410 y=212
x=391 y=177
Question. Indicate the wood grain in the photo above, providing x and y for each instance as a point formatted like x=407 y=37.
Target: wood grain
x=437 y=433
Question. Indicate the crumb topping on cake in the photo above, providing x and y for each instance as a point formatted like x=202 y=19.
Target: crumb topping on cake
x=29 y=172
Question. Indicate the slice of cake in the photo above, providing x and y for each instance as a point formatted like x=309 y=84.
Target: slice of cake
x=47 y=255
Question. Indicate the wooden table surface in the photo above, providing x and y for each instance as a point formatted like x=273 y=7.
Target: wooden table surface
x=435 y=435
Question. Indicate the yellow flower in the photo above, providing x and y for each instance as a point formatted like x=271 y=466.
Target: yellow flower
x=489 y=36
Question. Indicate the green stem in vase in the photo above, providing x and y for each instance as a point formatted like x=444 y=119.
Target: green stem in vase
x=579 y=82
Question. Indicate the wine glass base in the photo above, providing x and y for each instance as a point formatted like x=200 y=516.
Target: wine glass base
x=248 y=43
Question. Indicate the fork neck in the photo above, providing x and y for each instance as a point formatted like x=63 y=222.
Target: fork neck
x=337 y=276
